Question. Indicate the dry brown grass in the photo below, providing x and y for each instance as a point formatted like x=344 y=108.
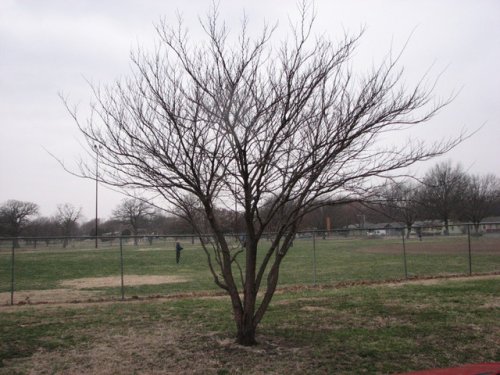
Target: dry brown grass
x=161 y=349
x=67 y=296
x=112 y=353
x=54 y=295
x=494 y=304
x=315 y=308
x=434 y=281
x=174 y=345
x=73 y=290
x=115 y=281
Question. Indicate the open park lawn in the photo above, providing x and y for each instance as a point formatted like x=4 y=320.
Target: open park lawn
x=81 y=273
x=372 y=329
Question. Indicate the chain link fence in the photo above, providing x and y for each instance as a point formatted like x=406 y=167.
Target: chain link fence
x=64 y=269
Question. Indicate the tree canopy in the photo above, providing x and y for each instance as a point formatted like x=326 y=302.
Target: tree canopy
x=273 y=129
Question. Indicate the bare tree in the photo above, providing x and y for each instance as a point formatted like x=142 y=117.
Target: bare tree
x=480 y=194
x=41 y=226
x=15 y=215
x=399 y=200
x=443 y=191
x=273 y=131
x=133 y=212
x=67 y=215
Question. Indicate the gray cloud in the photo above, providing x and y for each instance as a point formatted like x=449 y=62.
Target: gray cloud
x=49 y=47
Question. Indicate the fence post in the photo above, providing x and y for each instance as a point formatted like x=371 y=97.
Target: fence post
x=470 y=253
x=12 y=273
x=404 y=253
x=121 y=269
x=314 y=258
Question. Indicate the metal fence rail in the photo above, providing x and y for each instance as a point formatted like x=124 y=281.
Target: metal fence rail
x=38 y=269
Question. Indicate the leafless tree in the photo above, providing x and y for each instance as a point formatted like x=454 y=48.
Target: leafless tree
x=399 y=200
x=67 y=215
x=443 y=191
x=42 y=227
x=274 y=131
x=480 y=194
x=15 y=215
x=133 y=212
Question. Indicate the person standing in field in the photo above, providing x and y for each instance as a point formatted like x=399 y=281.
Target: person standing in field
x=178 y=249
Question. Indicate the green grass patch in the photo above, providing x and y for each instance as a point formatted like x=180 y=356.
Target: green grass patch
x=323 y=261
x=366 y=329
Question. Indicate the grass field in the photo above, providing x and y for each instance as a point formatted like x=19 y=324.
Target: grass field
x=380 y=329
x=373 y=329
x=79 y=272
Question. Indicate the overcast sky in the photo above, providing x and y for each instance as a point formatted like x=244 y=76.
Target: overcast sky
x=55 y=46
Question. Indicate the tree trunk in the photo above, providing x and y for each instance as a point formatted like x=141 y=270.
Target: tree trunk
x=246 y=324
x=476 y=227
x=136 y=240
x=246 y=335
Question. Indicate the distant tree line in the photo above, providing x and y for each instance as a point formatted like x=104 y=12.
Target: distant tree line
x=446 y=193
x=130 y=217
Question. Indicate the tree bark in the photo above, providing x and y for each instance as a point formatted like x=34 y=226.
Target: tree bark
x=136 y=240
x=446 y=229
x=476 y=227
x=246 y=334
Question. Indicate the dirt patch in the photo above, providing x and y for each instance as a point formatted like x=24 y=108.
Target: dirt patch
x=314 y=308
x=82 y=298
x=114 y=281
x=494 y=304
x=53 y=295
x=73 y=290
x=440 y=280
x=307 y=300
x=142 y=249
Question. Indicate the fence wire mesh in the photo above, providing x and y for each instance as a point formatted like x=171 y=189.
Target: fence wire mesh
x=36 y=270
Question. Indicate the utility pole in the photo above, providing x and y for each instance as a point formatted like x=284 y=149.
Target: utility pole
x=96 y=148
